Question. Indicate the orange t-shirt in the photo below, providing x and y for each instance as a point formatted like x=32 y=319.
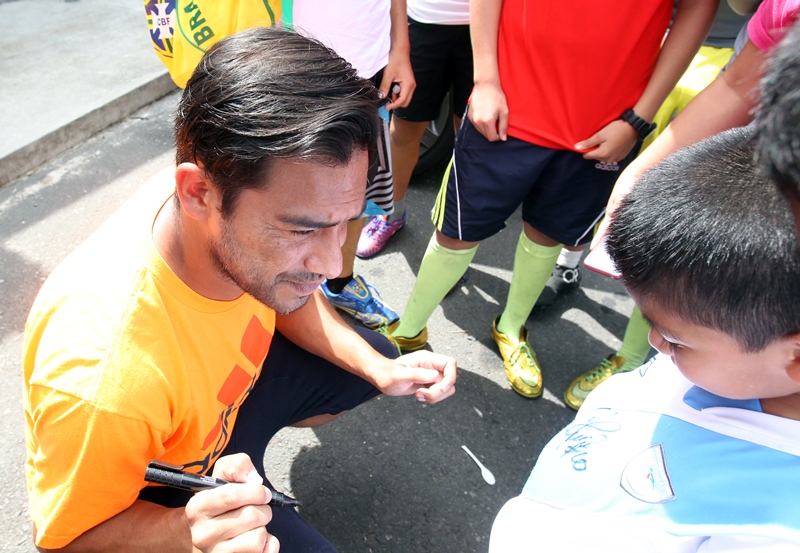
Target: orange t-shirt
x=124 y=363
x=569 y=69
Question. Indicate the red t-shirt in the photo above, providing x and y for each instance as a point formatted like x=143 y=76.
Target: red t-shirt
x=569 y=69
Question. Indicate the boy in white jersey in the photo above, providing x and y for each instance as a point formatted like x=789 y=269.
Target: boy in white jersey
x=697 y=450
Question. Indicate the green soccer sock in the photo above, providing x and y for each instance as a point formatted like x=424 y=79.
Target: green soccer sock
x=533 y=265
x=635 y=344
x=440 y=269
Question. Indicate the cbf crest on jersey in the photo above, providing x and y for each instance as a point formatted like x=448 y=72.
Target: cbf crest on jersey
x=160 y=21
x=182 y=30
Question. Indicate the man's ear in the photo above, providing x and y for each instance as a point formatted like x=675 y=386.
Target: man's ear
x=793 y=367
x=198 y=197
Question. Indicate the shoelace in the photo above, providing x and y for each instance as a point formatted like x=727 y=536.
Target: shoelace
x=384 y=330
x=374 y=226
x=524 y=348
x=605 y=365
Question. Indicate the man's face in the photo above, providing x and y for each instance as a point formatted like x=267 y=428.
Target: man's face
x=279 y=243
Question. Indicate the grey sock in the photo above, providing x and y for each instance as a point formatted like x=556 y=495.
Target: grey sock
x=399 y=209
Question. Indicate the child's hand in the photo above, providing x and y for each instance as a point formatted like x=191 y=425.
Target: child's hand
x=611 y=143
x=398 y=71
x=488 y=111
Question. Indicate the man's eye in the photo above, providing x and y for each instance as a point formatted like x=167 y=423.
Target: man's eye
x=302 y=232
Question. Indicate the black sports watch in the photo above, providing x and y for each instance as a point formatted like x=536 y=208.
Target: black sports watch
x=642 y=127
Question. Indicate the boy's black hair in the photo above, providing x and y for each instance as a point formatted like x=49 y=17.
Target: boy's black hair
x=779 y=115
x=265 y=94
x=706 y=237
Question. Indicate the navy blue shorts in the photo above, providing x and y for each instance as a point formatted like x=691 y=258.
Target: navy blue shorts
x=563 y=195
x=294 y=385
x=441 y=57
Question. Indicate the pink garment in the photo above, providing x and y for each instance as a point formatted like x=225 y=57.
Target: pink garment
x=771 y=22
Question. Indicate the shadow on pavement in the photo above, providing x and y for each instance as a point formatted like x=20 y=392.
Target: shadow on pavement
x=391 y=476
x=46 y=214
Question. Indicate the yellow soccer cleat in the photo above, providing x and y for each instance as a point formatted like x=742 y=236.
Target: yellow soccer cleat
x=522 y=367
x=588 y=381
x=407 y=345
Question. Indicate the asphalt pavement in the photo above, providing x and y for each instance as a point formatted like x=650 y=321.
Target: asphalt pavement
x=68 y=69
x=390 y=476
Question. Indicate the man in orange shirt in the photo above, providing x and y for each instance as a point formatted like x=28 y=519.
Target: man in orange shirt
x=189 y=328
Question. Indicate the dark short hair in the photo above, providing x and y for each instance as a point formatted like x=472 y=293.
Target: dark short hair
x=705 y=237
x=265 y=94
x=778 y=118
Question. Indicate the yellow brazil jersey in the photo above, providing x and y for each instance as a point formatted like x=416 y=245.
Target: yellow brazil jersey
x=182 y=30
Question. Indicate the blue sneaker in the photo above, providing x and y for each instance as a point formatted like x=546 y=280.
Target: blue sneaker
x=362 y=301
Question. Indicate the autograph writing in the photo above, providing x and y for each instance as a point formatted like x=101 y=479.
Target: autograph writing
x=580 y=435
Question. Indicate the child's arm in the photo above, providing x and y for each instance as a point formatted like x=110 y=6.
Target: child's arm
x=488 y=109
x=689 y=29
x=725 y=103
x=398 y=69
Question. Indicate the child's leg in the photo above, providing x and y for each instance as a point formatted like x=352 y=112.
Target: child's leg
x=566 y=276
x=635 y=344
x=479 y=192
x=440 y=269
x=405 y=137
x=632 y=354
x=352 y=294
x=533 y=264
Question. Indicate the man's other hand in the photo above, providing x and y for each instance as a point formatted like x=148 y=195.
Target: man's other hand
x=431 y=377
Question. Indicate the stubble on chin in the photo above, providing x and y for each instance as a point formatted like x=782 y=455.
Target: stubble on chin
x=233 y=266
x=295 y=305
x=257 y=287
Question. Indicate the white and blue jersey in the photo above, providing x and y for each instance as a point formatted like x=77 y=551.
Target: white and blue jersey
x=671 y=467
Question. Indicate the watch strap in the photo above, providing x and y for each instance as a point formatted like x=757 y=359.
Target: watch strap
x=642 y=127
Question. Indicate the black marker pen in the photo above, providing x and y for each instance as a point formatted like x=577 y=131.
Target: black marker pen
x=175 y=477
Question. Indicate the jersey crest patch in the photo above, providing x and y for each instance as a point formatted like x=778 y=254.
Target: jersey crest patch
x=645 y=477
x=161 y=23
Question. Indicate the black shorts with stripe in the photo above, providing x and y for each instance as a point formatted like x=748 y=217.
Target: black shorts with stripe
x=563 y=195
x=441 y=57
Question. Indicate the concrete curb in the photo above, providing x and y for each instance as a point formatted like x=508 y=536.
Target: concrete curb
x=34 y=154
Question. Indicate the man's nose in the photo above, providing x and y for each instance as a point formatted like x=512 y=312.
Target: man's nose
x=326 y=256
